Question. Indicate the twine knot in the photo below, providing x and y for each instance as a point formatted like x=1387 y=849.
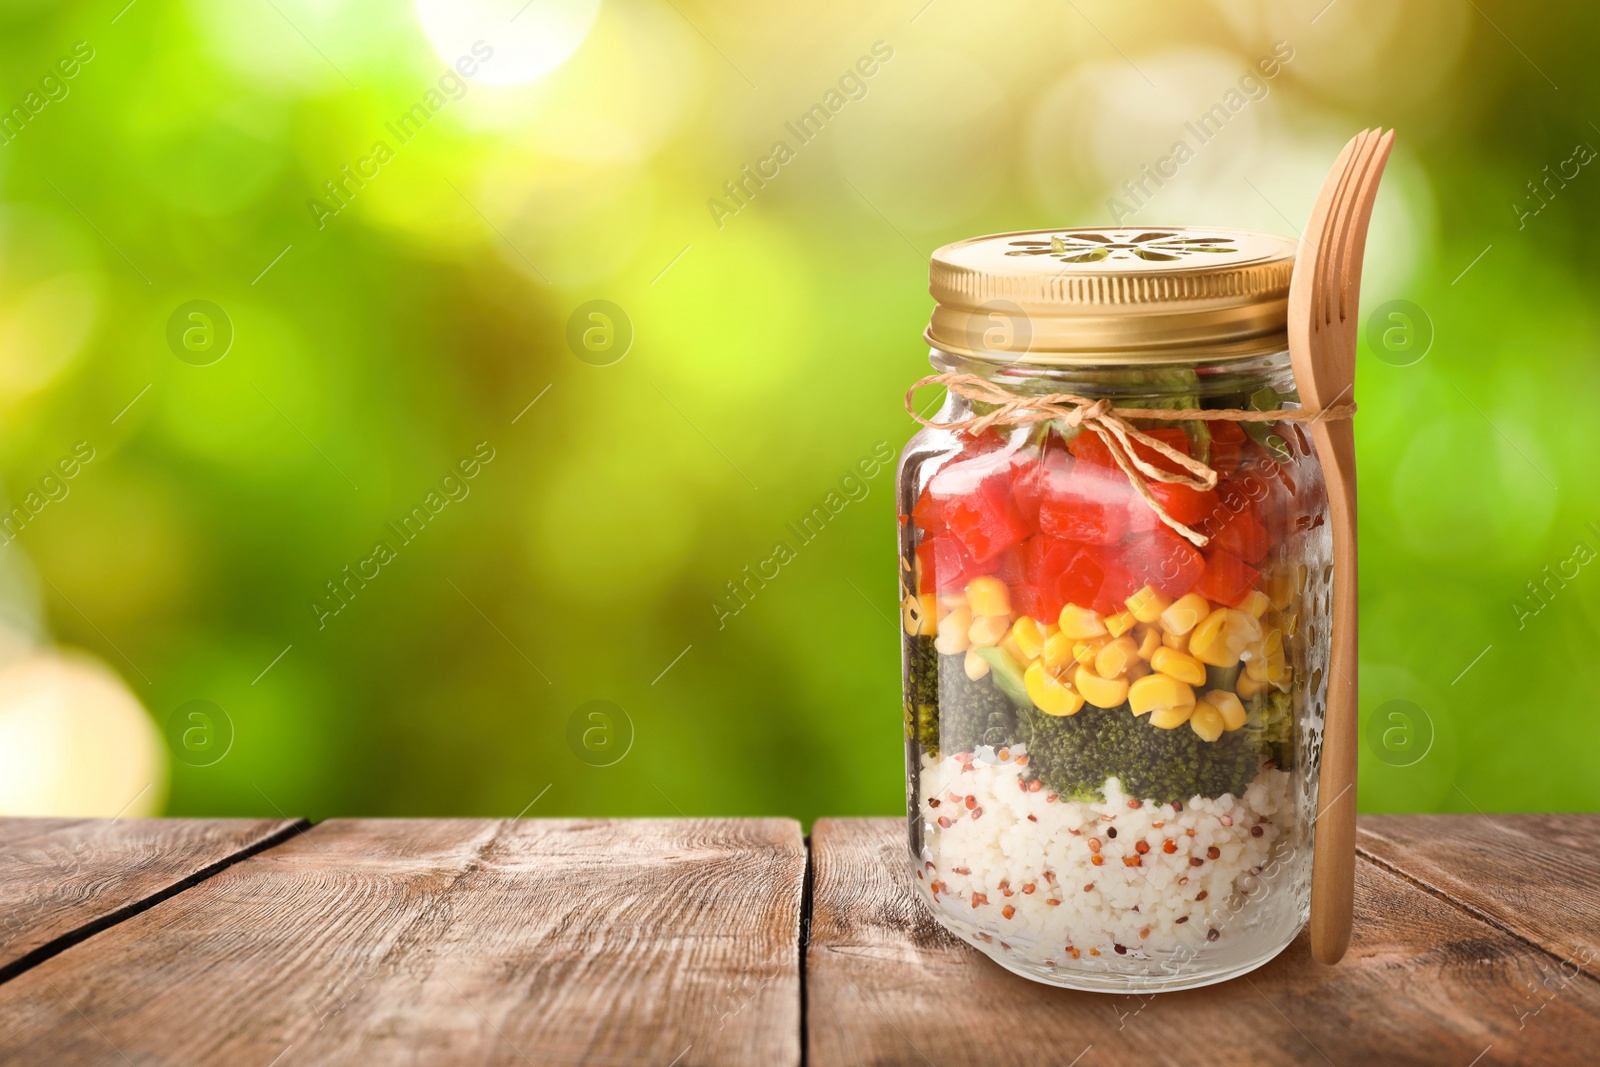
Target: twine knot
x=1111 y=425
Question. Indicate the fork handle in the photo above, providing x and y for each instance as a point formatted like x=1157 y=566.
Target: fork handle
x=1334 y=851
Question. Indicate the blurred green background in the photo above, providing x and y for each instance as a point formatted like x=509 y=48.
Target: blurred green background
x=768 y=340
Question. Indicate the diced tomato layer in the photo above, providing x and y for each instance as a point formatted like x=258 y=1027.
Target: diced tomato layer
x=1227 y=578
x=1092 y=508
x=986 y=522
x=1027 y=486
x=1068 y=528
x=1118 y=586
x=1188 y=506
x=1010 y=566
x=1032 y=478
x=1090 y=447
x=1037 y=602
x=927 y=565
x=1256 y=488
x=1083 y=520
x=1046 y=557
x=946 y=566
x=1173 y=438
x=985 y=442
x=1042 y=561
x=928 y=513
x=1096 y=578
x=1243 y=535
x=1162 y=559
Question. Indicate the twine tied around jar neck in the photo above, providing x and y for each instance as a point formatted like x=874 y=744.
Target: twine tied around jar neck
x=1110 y=424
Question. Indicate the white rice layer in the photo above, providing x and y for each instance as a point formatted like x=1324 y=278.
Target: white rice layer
x=1019 y=865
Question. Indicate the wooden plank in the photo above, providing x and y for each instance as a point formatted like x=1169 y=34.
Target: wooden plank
x=433 y=941
x=63 y=879
x=16 y=830
x=1423 y=983
x=1535 y=875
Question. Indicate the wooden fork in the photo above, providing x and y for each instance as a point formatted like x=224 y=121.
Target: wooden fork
x=1323 y=295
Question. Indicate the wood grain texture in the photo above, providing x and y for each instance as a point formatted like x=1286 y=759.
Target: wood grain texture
x=62 y=878
x=1423 y=983
x=1334 y=844
x=1535 y=875
x=1323 y=320
x=14 y=831
x=649 y=942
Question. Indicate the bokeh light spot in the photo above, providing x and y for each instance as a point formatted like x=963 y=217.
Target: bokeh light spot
x=513 y=41
x=74 y=741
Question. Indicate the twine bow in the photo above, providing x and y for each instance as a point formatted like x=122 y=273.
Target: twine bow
x=1110 y=424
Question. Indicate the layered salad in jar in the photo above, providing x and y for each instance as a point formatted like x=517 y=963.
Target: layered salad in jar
x=1100 y=714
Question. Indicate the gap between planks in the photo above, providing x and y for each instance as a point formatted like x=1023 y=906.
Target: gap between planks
x=807 y=886
x=79 y=934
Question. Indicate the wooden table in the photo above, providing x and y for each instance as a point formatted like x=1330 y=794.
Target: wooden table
x=272 y=943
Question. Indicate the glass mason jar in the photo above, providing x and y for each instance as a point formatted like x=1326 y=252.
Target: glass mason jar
x=1113 y=735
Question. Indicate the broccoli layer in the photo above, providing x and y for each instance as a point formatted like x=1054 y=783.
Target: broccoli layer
x=1073 y=755
x=948 y=712
x=921 y=688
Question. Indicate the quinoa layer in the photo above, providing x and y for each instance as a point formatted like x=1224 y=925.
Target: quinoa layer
x=1059 y=880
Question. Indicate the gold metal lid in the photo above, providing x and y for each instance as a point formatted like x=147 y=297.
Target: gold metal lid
x=1148 y=295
